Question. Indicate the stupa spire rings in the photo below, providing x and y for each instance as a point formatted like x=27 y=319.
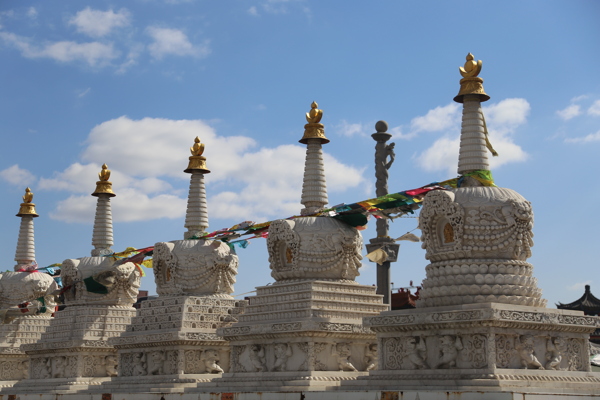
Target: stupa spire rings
x=471 y=83
x=314 y=129
x=197 y=161
x=27 y=207
x=103 y=186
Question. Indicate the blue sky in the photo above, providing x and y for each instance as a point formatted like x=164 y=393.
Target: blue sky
x=132 y=83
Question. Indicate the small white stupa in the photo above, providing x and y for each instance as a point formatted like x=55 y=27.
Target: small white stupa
x=305 y=331
x=172 y=343
x=27 y=301
x=481 y=324
x=99 y=291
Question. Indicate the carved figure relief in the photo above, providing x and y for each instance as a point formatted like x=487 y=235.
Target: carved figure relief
x=525 y=346
x=282 y=351
x=371 y=357
x=210 y=358
x=555 y=348
x=342 y=352
x=139 y=364
x=110 y=365
x=25 y=369
x=156 y=366
x=449 y=348
x=19 y=287
x=257 y=357
x=58 y=367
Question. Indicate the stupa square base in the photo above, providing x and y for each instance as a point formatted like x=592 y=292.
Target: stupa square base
x=488 y=346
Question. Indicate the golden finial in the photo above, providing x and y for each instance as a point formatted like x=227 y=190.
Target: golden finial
x=104 y=175
x=27 y=207
x=314 y=115
x=103 y=186
x=471 y=83
x=198 y=148
x=314 y=129
x=472 y=68
x=197 y=160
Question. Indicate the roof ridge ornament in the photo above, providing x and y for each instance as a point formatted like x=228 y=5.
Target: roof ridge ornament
x=471 y=83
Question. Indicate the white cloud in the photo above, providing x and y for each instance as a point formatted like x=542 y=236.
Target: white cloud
x=580 y=286
x=592 y=137
x=438 y=119
x=17 y=176
x=569 y=112
x=174 y=42
x=129 y=205
x=261 y=183
x=93 y=53
x=347 y=129
x=32 y=13
x=84 y=93
x=594 y=108
x=253 y=11
x=96 y=23
x=502 y=120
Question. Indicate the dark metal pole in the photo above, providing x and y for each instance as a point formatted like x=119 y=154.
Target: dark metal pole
x=384 y=158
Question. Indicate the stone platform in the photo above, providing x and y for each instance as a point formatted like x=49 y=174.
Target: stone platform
x=171 y=344
x=488 y=347
x=305 y=335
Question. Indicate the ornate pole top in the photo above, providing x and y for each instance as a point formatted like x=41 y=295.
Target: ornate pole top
x=27 y=207
x=471 y=83
x=103 y=186
x=314 y=129
x=197 y=160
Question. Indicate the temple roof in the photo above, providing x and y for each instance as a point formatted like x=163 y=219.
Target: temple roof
x=587 y=303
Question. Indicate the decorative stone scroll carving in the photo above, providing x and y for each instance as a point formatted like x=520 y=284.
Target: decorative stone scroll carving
x=405 y=353
x=313 y=248
x=30 y=288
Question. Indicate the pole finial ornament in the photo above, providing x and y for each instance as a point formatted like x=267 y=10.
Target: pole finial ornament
x=197 y=161
x=103 y=186
x=471 y=83
x=27 y=207
x=314 y=129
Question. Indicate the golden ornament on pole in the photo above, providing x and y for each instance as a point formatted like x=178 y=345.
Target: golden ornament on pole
x=197 y=160
x=27 y=207
x=314 y=129
x=471 y=83
x=103 y=186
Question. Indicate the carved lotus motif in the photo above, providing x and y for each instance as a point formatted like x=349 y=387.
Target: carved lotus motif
x=194 y=267
x=314 y=248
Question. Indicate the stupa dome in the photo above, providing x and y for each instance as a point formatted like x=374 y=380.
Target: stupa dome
x=478 y=240
x=319 y=248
